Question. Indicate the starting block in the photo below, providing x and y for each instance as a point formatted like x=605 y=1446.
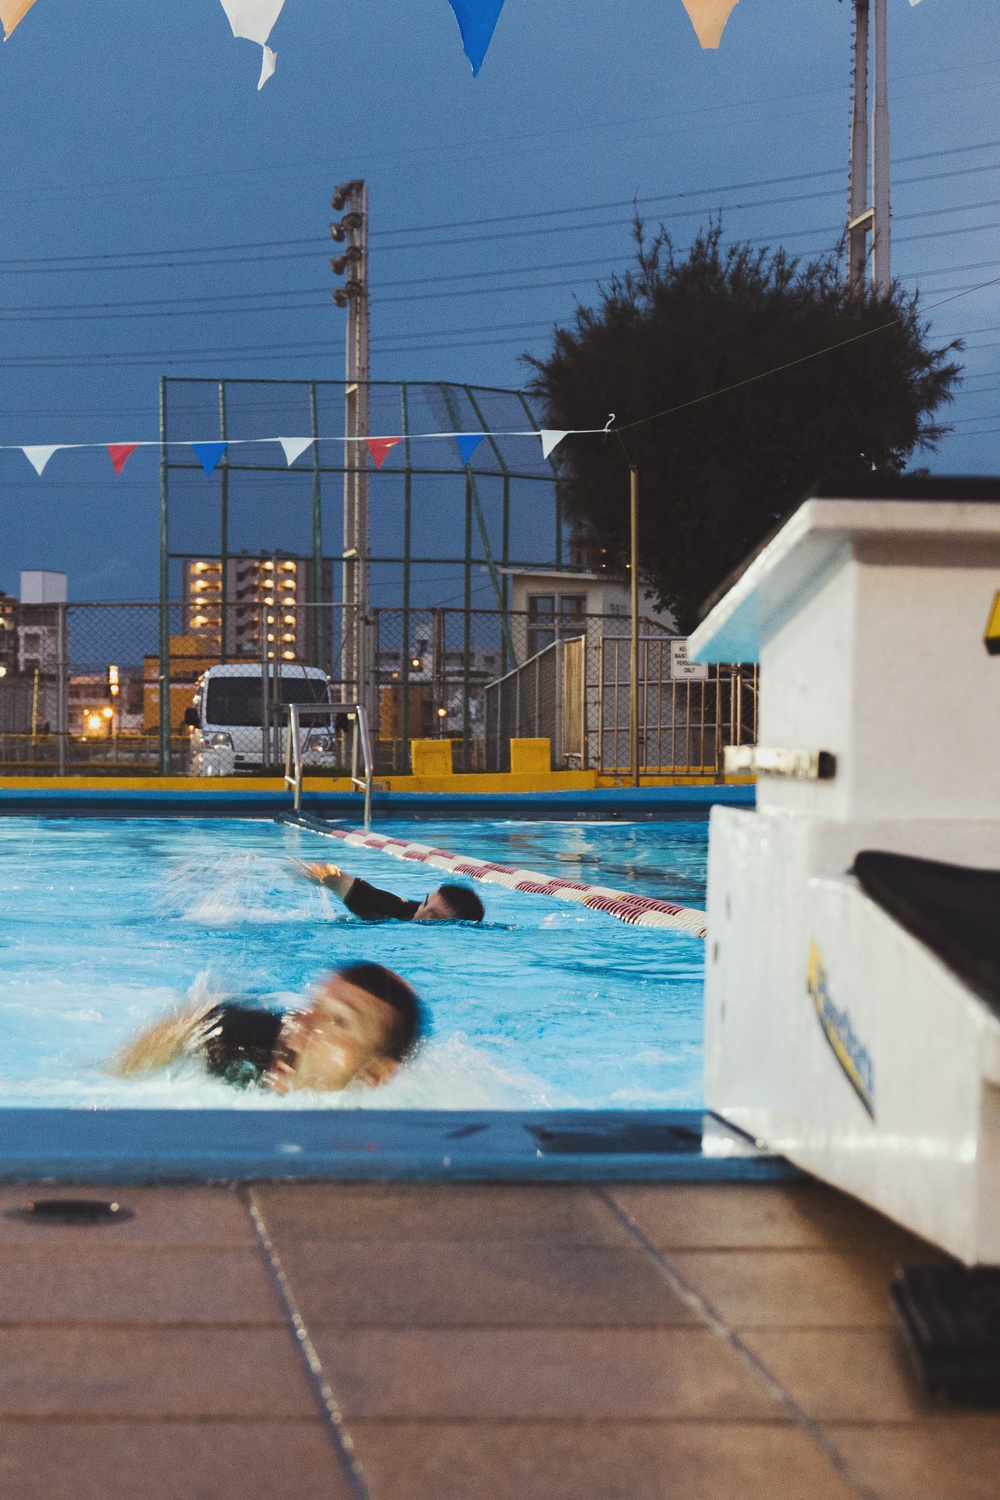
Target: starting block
x=853 y=961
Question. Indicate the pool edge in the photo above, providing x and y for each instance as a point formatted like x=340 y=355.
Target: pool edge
x=176 y=1146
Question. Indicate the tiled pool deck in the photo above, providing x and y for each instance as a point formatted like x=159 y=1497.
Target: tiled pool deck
x=531 y=1342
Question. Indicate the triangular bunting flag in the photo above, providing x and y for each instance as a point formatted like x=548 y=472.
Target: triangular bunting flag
x=294 y=448
x=253 y=19
x=13 y=11
x=38 y=457
x=268 y=63
x=120 y=453
x=209 y=454
x=468 y=442
x=551 y=438
x=709 y=17
x=380 y=447
x=477 y=21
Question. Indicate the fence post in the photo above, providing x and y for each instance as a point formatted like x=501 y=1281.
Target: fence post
x=164 y=663
x=633 y=714
x=407 y=554
x=318 y=642
x=61 y=685
x=467 y=634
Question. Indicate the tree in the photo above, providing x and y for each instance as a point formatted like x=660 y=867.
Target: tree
x=717 y=474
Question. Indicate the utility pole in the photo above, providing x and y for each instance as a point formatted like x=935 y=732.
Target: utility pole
x=633 y=696
x=870 y=215
x=353 y=227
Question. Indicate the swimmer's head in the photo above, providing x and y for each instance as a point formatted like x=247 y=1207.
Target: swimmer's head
x=450 y=903
x=362 y=1023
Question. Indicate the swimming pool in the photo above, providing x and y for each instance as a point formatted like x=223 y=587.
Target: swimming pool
x=547 y=1007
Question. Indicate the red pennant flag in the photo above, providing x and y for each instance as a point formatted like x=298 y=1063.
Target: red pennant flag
x=379 y=447
x=120 y=454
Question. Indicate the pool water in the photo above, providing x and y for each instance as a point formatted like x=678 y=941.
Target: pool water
x=109 y=923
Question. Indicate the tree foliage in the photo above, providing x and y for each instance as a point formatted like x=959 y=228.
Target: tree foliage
x=717 y=473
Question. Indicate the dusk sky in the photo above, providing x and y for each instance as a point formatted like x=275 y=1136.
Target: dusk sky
x=160 y=216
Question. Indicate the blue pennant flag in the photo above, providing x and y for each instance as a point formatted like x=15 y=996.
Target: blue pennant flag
x=477 y=21
x=468 y=442
x=209 y=454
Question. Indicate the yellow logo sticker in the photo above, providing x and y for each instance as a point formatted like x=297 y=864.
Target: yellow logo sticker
x=851 y=1054
x=991 y=639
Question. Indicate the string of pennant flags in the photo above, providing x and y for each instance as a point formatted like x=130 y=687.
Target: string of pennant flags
x=254 y=20
x=211 y=454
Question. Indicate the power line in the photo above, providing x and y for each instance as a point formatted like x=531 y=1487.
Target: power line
x=163 y=259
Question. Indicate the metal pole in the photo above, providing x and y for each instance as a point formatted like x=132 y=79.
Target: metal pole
x=164 y=673
x=223 y=527
x=859 y=216
x=633 y=704
x=354 y=196
x=61 y=685
x=264 y=735
x=467 y=632
x=881 y=270
x=505 y=559
x=318 y=642
x=407 y=549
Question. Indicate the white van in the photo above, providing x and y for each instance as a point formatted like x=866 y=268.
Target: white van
x=225 y=720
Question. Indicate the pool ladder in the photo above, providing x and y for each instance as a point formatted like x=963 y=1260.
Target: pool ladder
x=361 y=751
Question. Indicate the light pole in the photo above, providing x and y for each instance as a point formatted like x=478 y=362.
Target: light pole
x=353 y=227
x=870 y=214
x=633 y=696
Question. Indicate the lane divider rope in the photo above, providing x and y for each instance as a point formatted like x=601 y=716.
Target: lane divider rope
x=637 y=911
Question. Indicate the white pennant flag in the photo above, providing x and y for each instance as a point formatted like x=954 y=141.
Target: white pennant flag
x=39 y=456
x=268 y=63
x=551 y=438
x=294 y=448
x=253 y=19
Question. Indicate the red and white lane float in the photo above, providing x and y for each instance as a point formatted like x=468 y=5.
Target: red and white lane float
x=638 y=911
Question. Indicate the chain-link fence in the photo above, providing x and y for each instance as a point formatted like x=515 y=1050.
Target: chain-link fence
x=81 y=685
x=577 y=694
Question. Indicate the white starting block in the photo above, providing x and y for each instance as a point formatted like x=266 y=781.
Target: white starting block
x=853 y=1011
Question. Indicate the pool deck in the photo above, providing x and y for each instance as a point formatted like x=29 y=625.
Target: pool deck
x=677 y=1341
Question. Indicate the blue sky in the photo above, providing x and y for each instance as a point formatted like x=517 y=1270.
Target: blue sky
x=134 y=135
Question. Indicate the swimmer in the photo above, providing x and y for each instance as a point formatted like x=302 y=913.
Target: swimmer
x=449 y=903
x=361 y=1024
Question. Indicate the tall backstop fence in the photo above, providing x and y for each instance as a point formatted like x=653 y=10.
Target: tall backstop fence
x=81 y=685
x=457 y=495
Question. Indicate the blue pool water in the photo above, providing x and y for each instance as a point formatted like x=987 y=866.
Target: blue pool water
x=109 y=923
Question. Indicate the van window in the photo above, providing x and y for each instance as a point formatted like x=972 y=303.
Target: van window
x=237 y=700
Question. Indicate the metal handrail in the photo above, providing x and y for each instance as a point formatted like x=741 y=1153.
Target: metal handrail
x=361 y=749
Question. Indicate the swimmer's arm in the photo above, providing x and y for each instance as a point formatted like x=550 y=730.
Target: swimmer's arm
x=330 y=876
x=160 y=1044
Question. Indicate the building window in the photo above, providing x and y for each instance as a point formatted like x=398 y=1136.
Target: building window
x=541 y=622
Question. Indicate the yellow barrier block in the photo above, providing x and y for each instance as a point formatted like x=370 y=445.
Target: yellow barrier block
x=530 y=757
x=431 y=757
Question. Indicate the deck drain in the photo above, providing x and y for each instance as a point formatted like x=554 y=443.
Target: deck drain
x=637 y=1139
x=72 y=1211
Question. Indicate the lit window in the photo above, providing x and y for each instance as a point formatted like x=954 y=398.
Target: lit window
x=288 y=655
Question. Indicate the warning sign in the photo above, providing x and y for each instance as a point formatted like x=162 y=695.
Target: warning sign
x=992 y=636
x=692 y=670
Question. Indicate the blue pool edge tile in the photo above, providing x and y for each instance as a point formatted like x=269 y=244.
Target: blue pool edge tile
x=622 y=802
x=161 y=1146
